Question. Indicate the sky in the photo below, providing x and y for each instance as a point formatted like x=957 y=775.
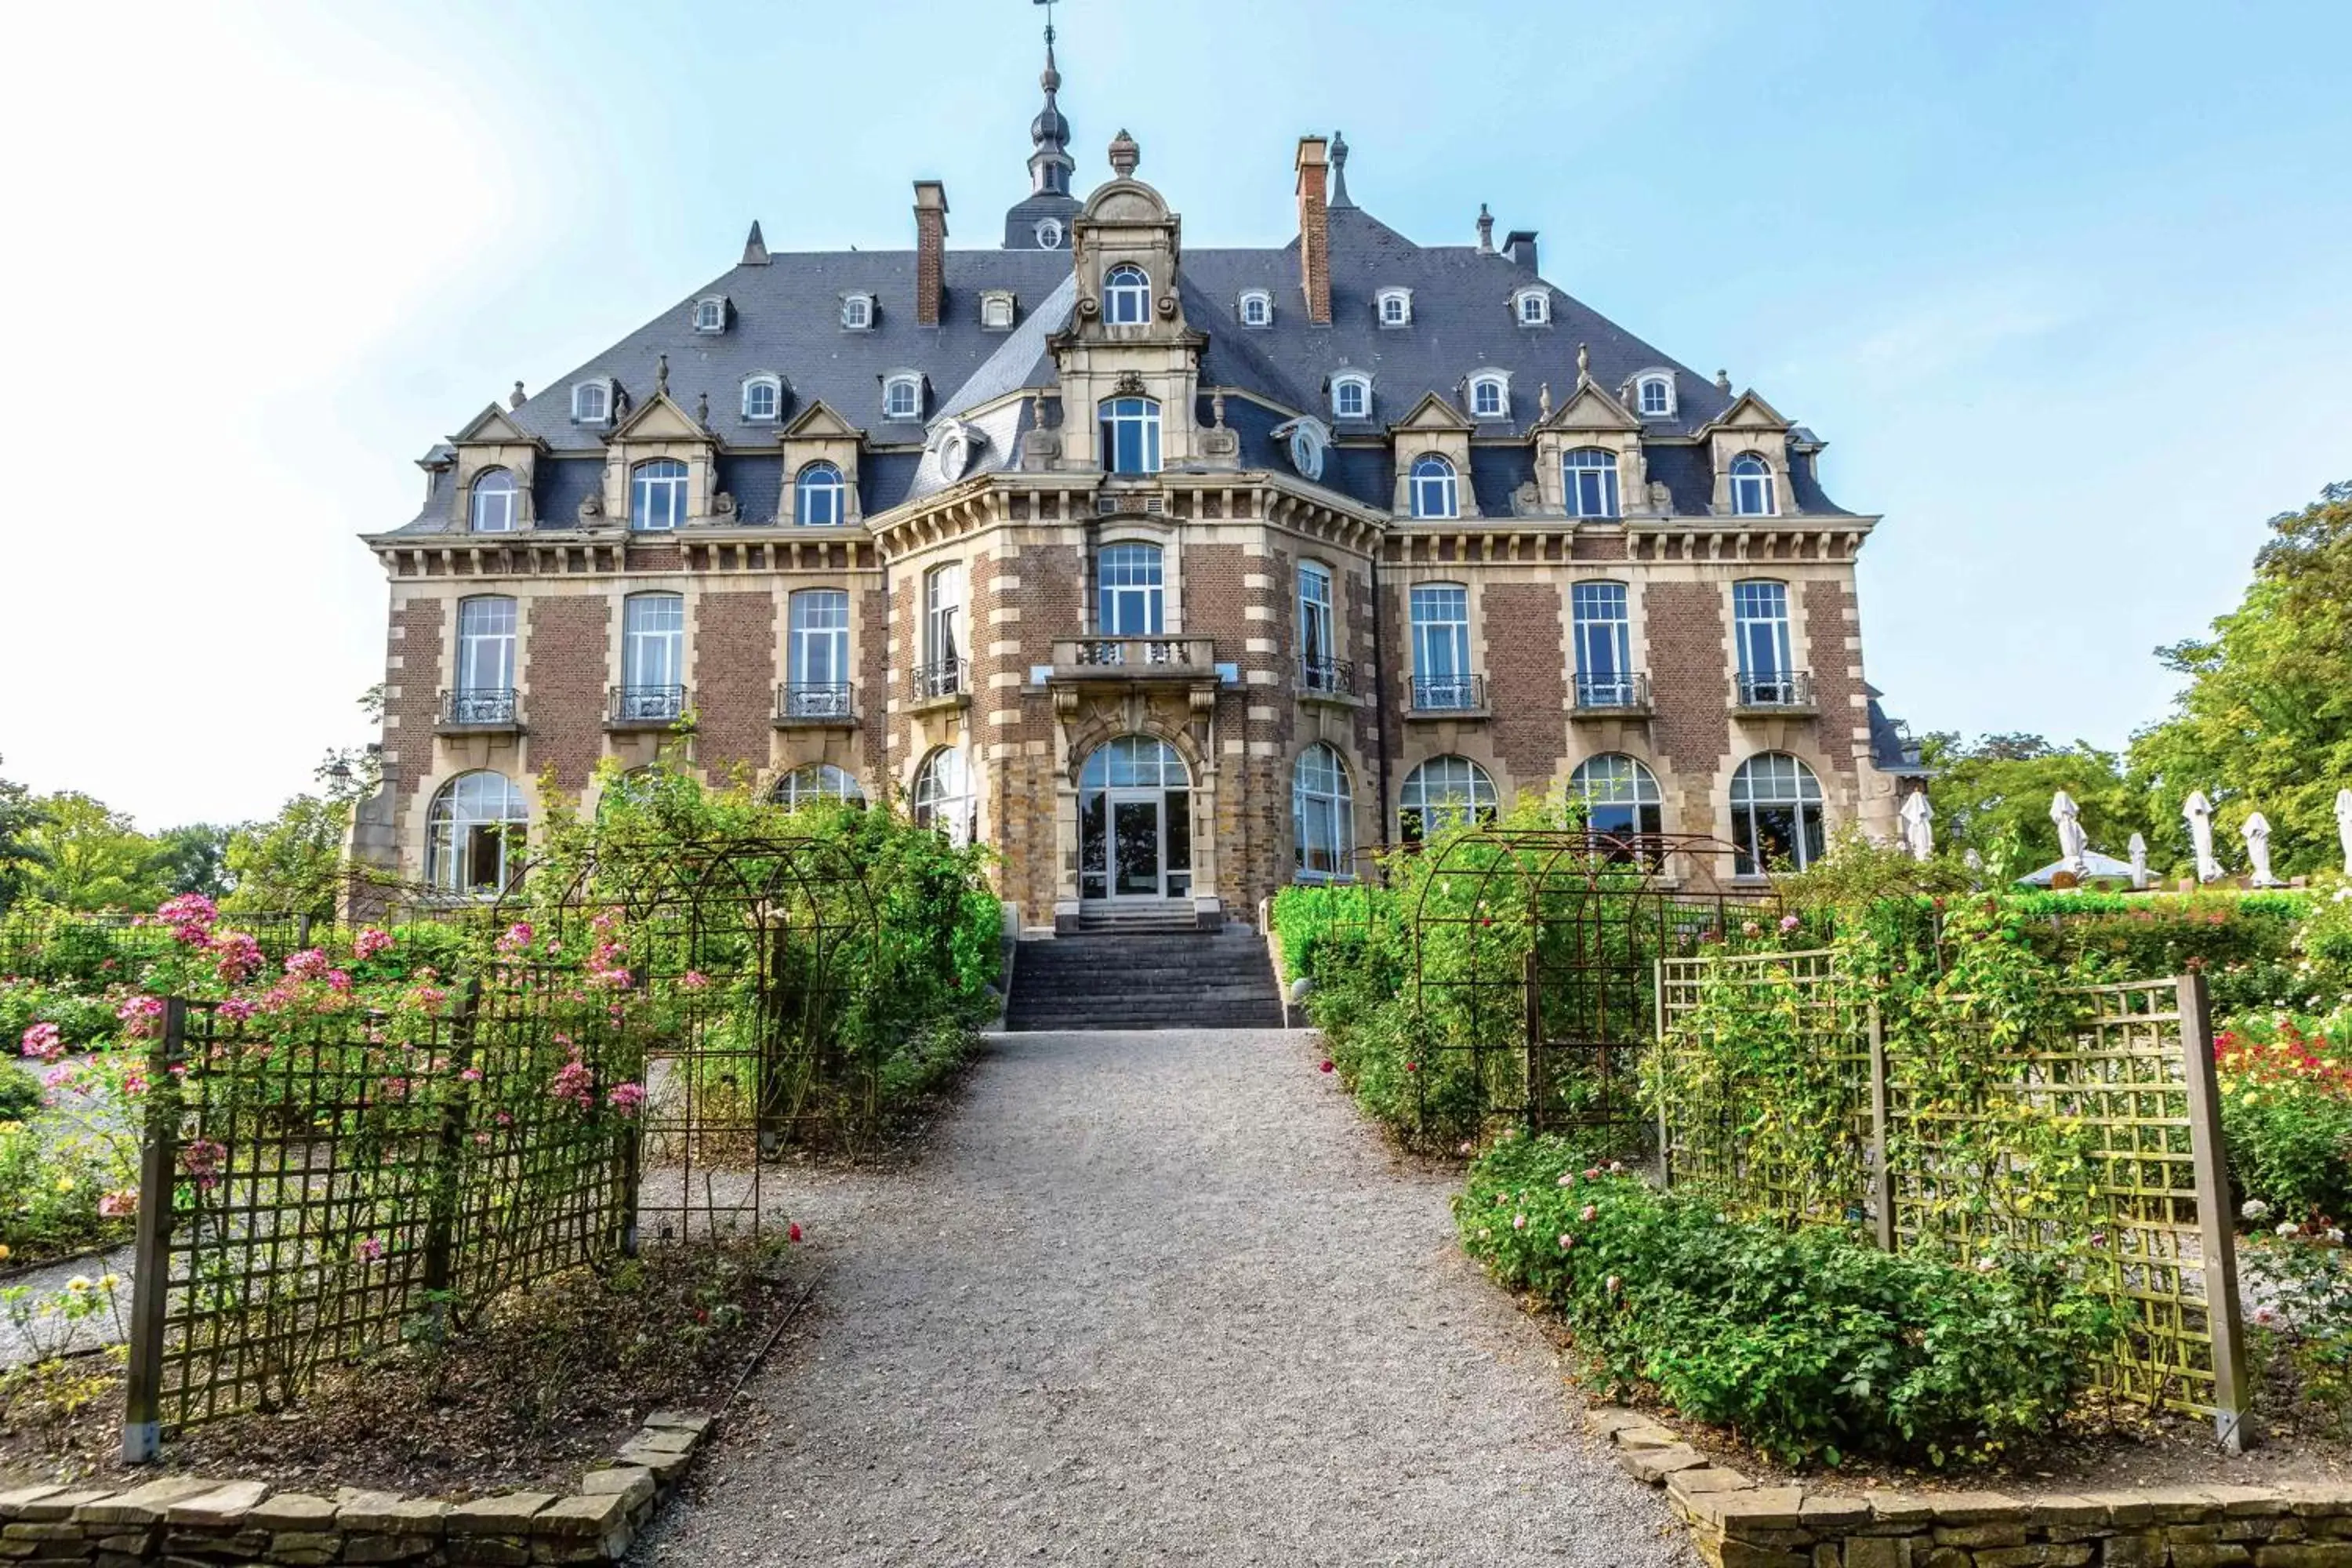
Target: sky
x=2063 y=286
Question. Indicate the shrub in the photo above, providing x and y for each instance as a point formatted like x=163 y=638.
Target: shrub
x=2286 y=1118
x=1811 y=1345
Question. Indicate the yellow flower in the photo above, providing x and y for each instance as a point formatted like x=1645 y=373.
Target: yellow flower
x=4 y=1255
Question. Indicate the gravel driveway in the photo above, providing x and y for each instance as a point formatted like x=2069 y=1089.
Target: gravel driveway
x=1155 y=1299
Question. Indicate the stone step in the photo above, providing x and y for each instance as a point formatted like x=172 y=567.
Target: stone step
x=1143 y=979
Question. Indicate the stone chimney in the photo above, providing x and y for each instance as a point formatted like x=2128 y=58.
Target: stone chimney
x=1485 y=231
x=1519 y=245
x=930 y=250
x=1315 y=227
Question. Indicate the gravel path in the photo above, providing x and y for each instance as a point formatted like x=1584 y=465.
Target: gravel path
x=1155 y=1299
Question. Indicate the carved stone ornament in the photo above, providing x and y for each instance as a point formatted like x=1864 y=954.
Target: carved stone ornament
x=956 y=442
x=722 y=505
x=1527 y=501
x=1124 y=155
x=591 y=507
x=1168 y=307
x=1041 y=448
x=1217 y=409
x=1129 y=384
x=1307 y=440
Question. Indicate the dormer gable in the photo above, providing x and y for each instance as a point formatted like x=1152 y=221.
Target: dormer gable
x=818 y=422
x=1433 y=413
x=1748 y=413
x=1589 y=407
x=492 y=428
x=658 y=418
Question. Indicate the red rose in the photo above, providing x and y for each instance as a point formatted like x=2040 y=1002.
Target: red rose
x=1327 y=1065
x=792 y=1231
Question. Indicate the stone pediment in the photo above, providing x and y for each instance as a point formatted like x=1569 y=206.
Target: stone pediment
x=1433 y=413
x=491 y=427
x=658 y=419
x=819 y=422
x=1592 y=409
x=1750 y=412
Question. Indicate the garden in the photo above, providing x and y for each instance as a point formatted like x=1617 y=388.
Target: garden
x=1881 y=1166
x=450 y=1200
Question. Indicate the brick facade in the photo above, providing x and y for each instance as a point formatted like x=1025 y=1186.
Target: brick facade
x=563 y=660
x=735 y=647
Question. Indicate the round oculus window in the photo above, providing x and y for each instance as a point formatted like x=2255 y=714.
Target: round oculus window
x=1049 y=233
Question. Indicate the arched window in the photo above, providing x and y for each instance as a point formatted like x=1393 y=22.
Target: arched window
x=657 y=496
x=1394 y=307
x=1620 y=796
x=1435 y=490
x=817 y=781
x=1490 y=397
x=819 y=497
x=1130 y=435
x=1135 y=821
x=1534 y=306
x=1751 y=486
x=1130 y=595
x=1127 y=297
x=1655 y=396
x=1442 y=792
x=1589 y=480
x=494 y=501
x=1257 y=308
x=710 y=314
x=473 y=834
x=1351 y=397
x=942 y=794
x=1322 y=816
x=902 y=397
x=1776 y=813
x=592 y=402
x=763 y=396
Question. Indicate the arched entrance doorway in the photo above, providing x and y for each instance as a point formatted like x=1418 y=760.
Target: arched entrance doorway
x=1135 y=821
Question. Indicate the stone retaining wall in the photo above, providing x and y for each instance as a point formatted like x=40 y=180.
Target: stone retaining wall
x=1736 y=1523
x=183 y=1520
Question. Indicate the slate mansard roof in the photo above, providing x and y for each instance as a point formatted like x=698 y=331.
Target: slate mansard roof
x=785 y=319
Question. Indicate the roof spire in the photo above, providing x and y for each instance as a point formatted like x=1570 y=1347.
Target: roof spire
x=1339 y=171
x=1485 y=231
x=755 y=248
x=1050 y=164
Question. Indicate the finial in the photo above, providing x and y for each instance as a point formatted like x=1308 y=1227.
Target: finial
x=661 y=376
x=1217 y=409
x=1485 y=231
x=755 y=247
x=516 y=399
x=1124 y=155
x=1543 y=400
x=1723 y=381
x=1584 y=363
x=1339 y=171
x=702 y=408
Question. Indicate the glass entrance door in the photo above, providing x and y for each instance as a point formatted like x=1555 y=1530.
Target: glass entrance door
x=1136 y=850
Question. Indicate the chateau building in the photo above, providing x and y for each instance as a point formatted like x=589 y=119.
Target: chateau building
x=1172 y=574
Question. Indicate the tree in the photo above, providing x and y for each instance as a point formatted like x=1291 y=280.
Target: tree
x=1994 y=797
x=93 y=858
x=294 y=863
x=2266 y=721
x=20 y=857
x=195 y=859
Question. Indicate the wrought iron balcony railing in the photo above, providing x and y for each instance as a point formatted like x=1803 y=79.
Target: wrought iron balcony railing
x=940 y=677
x=477 y=708
x=1327 y=677
x=813 y=700
x=1623 y=691
x=1772 y=689
x=1449 y=693
x=647 y=704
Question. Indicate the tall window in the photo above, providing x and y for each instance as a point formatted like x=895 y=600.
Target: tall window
x=1619 y=794
x=942 y=794
x=1751 y=486
x=943 y=672
x=816 y=661
x=1129 y=598
x=1351 y=397
x=818 y=496
x=477 y=823
x=658 y=494
x=1322 y=816
x=1317 y=661
x=1440 y=647
x=1760 y=615
x=1434 y=489
x=1130 y=435
x=817 y=781
x=1589 y=476
x=762 y=395
x=486 y=661
x=1442 y=792
x=652 y=656
x=1776 y=813
x=1127 y=297
x=1604 y=645
x=494 y=501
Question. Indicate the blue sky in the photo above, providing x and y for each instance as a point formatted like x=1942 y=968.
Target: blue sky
x=2063 y=286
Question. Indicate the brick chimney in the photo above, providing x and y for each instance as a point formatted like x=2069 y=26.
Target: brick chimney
x=1315 y=227
x=930 y=250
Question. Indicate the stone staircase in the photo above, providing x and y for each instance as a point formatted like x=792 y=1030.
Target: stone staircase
x=1144 y=979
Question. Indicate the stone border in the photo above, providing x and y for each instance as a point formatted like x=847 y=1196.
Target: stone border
x=1736 y=1523
x=184 y=1520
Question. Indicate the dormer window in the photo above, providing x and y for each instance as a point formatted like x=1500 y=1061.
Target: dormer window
x=996 y=310
x=857 y=313
x=1434 y=489
x=1490 y=395
x=1532 y=306
x=592 y=403
x=710 y=314
x=1393 y=307
x=1751 y=486
x=1653 y=396
x=763 y=397
x=1127 y=297
x=1351 y=397
x=1257 y=308
x=902 y=397
x=493 y=502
